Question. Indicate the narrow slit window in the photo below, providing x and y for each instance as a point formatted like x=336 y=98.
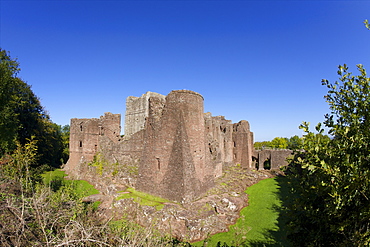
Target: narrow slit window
x=158 y=163
x=80 y=144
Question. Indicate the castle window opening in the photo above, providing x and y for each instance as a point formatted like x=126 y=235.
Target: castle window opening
x=80 y=144
x=223 y=129
x=158 y=163
x=80 y=127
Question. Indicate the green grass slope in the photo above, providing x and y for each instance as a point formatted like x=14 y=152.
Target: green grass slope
x=55 y=179
x=262 y=222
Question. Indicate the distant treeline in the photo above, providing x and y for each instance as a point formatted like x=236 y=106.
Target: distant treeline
x=292 y=143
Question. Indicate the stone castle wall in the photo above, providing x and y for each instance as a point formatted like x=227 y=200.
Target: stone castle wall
x=276 y=158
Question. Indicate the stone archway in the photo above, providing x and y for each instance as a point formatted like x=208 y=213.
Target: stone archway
x=267 y=164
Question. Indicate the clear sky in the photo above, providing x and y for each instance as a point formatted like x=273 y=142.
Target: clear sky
x=260 y=61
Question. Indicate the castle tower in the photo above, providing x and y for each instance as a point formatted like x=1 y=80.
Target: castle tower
x=137 y=110
x=243 y=144
x=85 y=134
x=174 y=153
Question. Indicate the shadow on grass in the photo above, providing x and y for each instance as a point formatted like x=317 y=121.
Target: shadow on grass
x=279 y=236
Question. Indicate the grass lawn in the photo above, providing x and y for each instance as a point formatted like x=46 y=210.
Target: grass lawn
x=55 y=179
x=261 y=222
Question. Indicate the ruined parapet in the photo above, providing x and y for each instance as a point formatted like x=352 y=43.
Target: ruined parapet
x=219 y=141
x=174 y=154
x=137 y=110
x=243 y=144
x=110 y=125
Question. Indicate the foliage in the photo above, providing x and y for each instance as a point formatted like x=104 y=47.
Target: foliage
x=8 y=71
x=295 y=143
x=99 y=162
x=64 y=133
x=17 y=167
x=332 y=176
x=292 y=143
x=262 y=145
x=23 y=117
x=279 y=143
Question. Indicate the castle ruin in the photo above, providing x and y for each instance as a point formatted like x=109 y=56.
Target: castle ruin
x=177 y=149
x=171 y=149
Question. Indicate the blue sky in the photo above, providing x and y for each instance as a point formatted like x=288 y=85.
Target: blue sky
x=260 y=61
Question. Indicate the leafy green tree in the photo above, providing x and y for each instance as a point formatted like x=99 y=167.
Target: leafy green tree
x=279 y=143
x=262 y=145
x=65 y=130
x=8 y=81
x=22 y=116
x=295 y=143
x=332 y=176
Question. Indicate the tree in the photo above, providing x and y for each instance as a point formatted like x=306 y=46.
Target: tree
x=65 y=130
x=292 y=143
x=295 y=143
x=8 y=124
x=262 y=145
x=332 y=176
x=279 y=143
x=22 y=116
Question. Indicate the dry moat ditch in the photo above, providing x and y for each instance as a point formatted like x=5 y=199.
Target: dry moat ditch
x=209 y=214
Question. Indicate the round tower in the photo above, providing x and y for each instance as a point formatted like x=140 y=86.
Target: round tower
x=187 y=109
x=173 y=164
